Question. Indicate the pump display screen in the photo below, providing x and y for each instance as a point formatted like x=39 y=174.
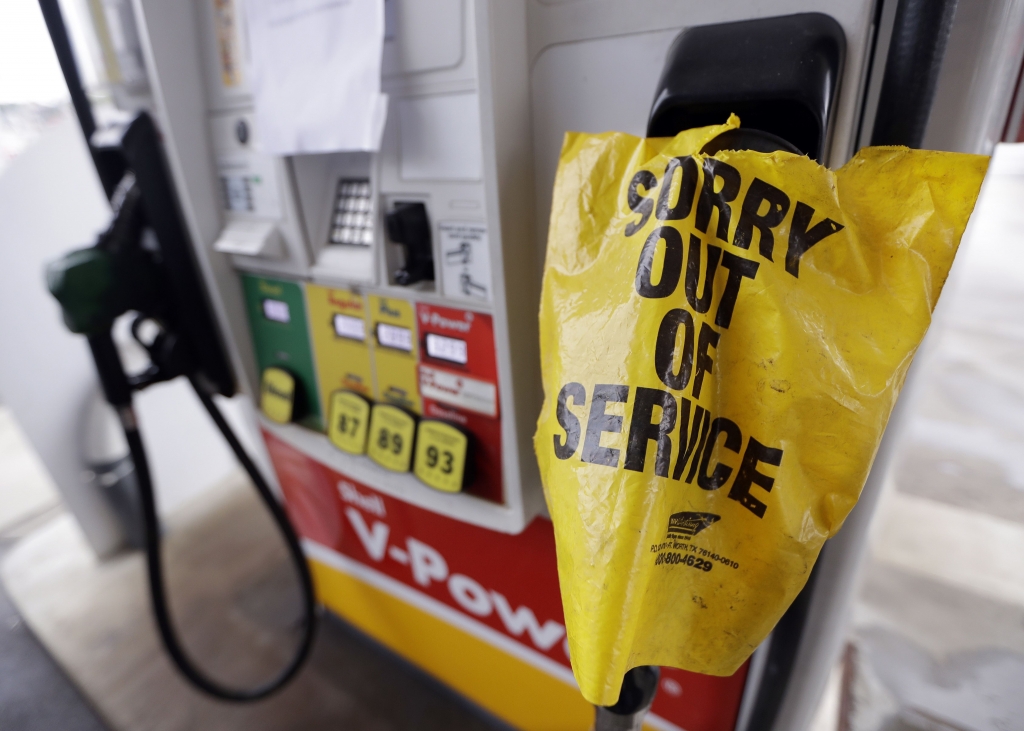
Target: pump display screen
x=450 y=349
x=391 y=336
x=353 y=328
x=277 y=311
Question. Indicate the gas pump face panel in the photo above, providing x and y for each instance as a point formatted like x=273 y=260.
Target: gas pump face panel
x=390 y=299
x=365 y=368
x=375 y=253
x=368 y=278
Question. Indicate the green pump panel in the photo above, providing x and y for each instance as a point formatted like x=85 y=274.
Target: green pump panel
x=280 y=335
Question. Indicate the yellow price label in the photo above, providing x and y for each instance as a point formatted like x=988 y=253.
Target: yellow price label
x=441 y=450
x=348 y=421
x=392 y=432
x=277 y=394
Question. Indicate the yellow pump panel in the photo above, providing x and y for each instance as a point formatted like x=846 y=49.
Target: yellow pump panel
x=393 y=329
x=341 y=341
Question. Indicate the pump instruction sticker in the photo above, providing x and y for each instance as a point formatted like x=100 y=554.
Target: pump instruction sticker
x=465 y=261
x=722 y=340
x=248 y=184
x=228 y=47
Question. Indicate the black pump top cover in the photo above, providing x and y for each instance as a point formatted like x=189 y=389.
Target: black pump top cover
x=780 y=75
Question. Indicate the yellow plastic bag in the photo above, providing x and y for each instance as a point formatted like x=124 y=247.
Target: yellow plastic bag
x=723 y=339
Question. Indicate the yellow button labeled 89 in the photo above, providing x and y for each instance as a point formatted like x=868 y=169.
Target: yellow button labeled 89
x=348 y=421
x=392 y=433
x=277 y=394
x=441 y=451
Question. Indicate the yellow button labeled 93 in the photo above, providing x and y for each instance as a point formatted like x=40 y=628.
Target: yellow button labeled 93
x=392 y=433
x=348 y=421
x=441 y=451
x=277 y=394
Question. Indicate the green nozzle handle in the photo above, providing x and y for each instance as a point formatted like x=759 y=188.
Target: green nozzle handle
x=85 y=284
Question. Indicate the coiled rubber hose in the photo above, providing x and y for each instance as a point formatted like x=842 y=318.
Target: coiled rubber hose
x=157 y=589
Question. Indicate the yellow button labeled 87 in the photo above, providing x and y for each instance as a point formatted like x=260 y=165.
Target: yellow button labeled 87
x=392 y=433
x=348 y=422
x=441 y=451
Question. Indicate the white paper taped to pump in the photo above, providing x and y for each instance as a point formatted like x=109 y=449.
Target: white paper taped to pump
x=316 y=67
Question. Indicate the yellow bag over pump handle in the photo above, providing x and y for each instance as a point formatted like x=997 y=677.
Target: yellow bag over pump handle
x=723 y=339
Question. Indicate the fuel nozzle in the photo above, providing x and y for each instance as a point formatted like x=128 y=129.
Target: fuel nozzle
x=408 y=226
x=639 y=686
x=96 y=285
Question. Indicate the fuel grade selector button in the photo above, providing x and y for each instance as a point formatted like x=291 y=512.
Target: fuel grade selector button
x=277 y=395
x=278 y=322
x=392 y=434
x=348 y=421
x=442 y=455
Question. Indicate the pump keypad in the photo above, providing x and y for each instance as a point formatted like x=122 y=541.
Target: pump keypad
x=352 y=220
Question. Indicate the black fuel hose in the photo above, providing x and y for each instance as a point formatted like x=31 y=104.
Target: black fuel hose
x=157 y=588
x=88 y=307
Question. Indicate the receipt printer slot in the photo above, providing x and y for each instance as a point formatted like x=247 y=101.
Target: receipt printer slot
x=407 y=225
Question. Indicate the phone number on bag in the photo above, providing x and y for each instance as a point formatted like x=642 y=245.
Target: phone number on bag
x=669 y=557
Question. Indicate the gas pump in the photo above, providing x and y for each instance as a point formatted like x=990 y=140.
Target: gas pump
x=380 y=306
x=143 y=264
